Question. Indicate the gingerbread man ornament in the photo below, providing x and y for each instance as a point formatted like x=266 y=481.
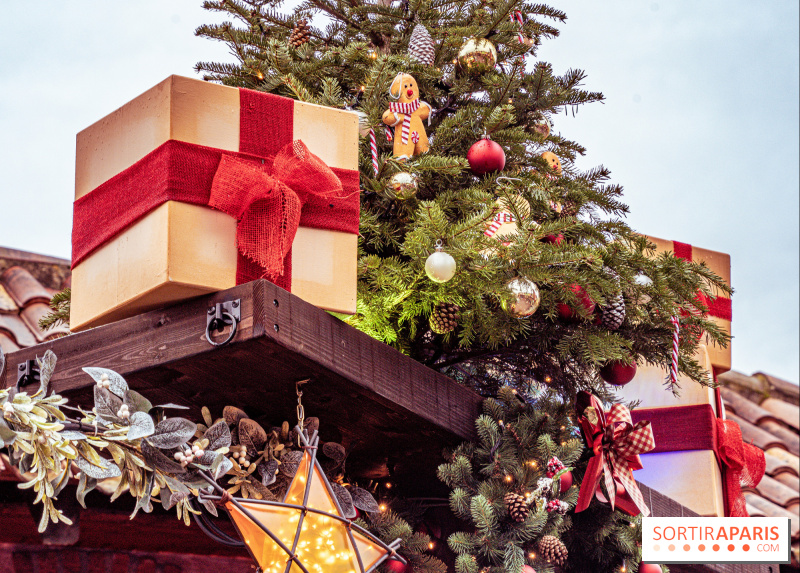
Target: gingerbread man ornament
x=406 y=116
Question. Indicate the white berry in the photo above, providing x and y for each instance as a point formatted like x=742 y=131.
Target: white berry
x=199 y=453
x=246 y=464
x=195 y=448
x=179 y=456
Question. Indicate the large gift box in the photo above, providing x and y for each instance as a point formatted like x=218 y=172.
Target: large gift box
x=194 y=187
x=719 y=309
x=699 y=459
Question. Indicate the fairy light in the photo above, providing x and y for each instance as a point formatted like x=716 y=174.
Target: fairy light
x=531 y=555
x=373 y=54
x=382 y=507
x=532 y=463
x=388 y=485
x=431 y=545
x=547 y=379
x=362 y=88
x=508 y=478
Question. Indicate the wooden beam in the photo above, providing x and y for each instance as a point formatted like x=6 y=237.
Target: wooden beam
x=393 y=414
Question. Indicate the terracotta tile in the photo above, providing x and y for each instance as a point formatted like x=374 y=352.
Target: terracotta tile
x=771 y=510
x=754 y=511
x=12 y=325
x=7 y=344
x=6 y=302
x=744 y=408
x=778 y=492
x=791 y=460
x=787 y=413
x=787 y=436
x=776 y=466
x=793 y=482
x=32 y=314
x=22 y=287
x=754 y=435
x=786 y=390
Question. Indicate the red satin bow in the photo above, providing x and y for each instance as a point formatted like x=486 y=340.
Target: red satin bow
x=616 y=443
x=266 y=203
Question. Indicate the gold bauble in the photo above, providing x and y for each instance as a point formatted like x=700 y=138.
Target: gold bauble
x=404 y=185
x=526 y=297
x=540 y=125
x=476 y=56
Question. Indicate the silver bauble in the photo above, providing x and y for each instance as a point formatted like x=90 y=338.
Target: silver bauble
x=526 y=297
x=643 y=280
x=440 y=266
x=404 y=185
x=363 y=123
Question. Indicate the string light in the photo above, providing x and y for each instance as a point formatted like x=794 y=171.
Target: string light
x=509 y=478
x=362 y=88
x=431 y=545
x=547 y=379
x=382 y=507
x=388 y=485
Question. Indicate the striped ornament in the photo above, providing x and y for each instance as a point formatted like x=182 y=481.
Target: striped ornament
x=673 y=373
x=406 y=109
x=373 y=148
x=499 y=220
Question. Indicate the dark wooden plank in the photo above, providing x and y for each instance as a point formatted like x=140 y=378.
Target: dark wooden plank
x=393 y=414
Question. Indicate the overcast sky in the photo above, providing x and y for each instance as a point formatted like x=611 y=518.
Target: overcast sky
x=700 y=125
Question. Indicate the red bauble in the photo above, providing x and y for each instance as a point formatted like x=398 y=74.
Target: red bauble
x=649 y=568
x=486 y=156
x=528 y=569
x=565 y=482
x=556 y=239
x=618 y=372
x=358 y=514
x=566 y=312
x=395 y=566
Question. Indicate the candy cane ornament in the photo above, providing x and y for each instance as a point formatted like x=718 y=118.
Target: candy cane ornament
x=373 y=148
x=673 y=373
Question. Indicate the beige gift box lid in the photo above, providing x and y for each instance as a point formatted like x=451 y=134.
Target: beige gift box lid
x=178 y=251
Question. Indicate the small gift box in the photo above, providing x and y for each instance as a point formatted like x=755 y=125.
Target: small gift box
x=194 y=187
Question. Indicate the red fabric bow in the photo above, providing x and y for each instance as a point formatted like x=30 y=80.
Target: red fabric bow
x=744 y=465
x=616 y=443
x=266 y=203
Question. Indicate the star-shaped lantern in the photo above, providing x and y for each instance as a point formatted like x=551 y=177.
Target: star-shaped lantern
x=307 y=532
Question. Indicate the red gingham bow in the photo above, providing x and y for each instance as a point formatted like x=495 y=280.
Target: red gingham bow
x=616 y=443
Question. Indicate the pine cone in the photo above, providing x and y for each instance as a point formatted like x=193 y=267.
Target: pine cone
x=552 y=550
x=517 y=508
x=300 y=33
x=444 y=318
x=421 y=46
x=613 y=315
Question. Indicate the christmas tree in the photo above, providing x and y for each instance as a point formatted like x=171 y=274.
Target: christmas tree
x=485 y=252
x=523 y=226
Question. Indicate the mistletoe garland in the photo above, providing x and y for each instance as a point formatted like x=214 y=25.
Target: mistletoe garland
x=154 y=456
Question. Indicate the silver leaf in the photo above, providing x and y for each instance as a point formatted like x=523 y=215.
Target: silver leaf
x=106 y=469
x=172 y=432
x=156 y=458
x=345 y=500
x=47 y=365
x=363 y=500
x=218 y=436
x=141 y=426
x=117 y=383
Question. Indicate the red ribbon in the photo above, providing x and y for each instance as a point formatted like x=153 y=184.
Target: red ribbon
x=616 y=443
x=684 y=428
x=270 y=187
x=718 y=307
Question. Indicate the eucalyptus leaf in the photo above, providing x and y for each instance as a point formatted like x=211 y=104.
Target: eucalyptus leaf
x=207 y=459
x=72 y=435
x=268 y=471
x=172 y=432
x=210 y=507
x=136 y=402
x=218 y=436
x=232 y=415
x=224 y=467
x=141 y=426
x=155 y=458
x=290 y=461
x=252 y=435
x=143 y=502
x=177 y=496
x=117 y=383
x=7 y=435
x=2 y=361
x=171 y=406
x=345 y=500
x=105 y=469
x=106 y=404
x=363 y=499
x=334 y=451
x=47 y=365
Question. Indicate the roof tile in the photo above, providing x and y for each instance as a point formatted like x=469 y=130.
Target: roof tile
x=754 y=511
x=32 y=314
x=744 y=408
x=785 y=390
x=787 y=436
x=769 y=509
x=778 y=492
x=777 y=466
x=793 y=482
x=6 y=302
x=23 y=287
x=787 y=413
x=754 y=435
x=7 y=344
x=791 y=460
x=13 y=325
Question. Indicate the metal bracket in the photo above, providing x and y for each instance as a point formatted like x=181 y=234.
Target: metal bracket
x=27 y=373
x=221 y=315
